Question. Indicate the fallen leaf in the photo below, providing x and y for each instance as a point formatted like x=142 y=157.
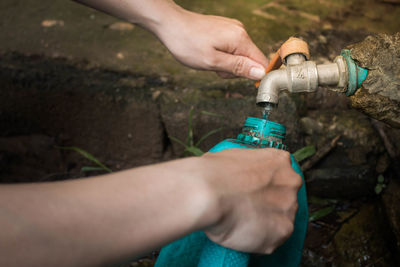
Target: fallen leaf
x=156 y=94
x=52 y=22
x=236 y=95
x=121 y=26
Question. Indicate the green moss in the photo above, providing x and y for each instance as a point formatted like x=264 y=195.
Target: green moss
x=361 y=241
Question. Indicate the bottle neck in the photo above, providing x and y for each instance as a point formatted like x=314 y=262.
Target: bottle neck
x=263 y=133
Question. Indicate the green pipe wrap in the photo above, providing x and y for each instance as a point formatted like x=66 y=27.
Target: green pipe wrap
x=356 y=74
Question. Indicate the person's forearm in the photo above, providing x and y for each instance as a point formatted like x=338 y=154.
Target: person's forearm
x=149 y=14
x=97 y=221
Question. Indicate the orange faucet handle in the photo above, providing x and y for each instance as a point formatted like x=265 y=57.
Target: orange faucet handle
x=274 y=64
x=292 y=46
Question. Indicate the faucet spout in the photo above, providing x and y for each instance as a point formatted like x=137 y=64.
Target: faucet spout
x=270 y=87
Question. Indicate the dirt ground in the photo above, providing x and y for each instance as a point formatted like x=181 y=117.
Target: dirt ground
x=73 y=77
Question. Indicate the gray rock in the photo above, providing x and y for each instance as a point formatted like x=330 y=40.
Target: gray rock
x=93 y=109
x=349 y=182
x=348 y=170
x=353 y=126
x=379 y=96
x=29 y=158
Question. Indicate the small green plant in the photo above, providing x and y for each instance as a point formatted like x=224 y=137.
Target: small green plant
x=304 y=153
x=319 y=214
x=191 y=147
x=322 y=201
x=380 y=185
x=100 y=166
x=329 y=204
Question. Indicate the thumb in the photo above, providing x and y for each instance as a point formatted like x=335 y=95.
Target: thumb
x=240 y=66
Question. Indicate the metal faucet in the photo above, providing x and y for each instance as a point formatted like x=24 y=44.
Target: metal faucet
x=301 y=75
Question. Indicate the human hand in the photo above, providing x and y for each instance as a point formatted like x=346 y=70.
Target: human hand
x=257 y=198
x=212 y=43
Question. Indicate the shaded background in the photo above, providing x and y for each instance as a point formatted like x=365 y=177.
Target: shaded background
x=71 y=76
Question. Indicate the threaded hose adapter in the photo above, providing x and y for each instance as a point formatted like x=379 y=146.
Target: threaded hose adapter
x=357 y=74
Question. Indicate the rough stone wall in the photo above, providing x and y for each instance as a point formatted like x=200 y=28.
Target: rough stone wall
x=123 y=119
x=379 y=96
x=48 y=103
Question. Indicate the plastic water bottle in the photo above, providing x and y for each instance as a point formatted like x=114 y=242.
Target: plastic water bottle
x=197 y=250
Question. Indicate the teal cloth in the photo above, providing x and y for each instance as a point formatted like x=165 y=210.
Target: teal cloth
x=196 y=250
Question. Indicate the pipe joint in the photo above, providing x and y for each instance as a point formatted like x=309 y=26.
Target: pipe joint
x=302 y=77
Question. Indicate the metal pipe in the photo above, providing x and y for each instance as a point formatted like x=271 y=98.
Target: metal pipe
x=295 y=59
x=328 y=74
